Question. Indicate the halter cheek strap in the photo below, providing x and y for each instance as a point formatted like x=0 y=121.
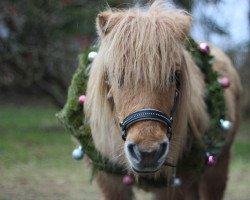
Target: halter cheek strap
x=152 y=115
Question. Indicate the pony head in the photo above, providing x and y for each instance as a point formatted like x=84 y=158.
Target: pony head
x=140 y=65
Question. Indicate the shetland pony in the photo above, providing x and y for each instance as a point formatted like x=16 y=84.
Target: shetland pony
x=141 y=55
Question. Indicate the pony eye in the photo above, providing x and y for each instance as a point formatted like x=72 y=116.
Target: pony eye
x=174 y=77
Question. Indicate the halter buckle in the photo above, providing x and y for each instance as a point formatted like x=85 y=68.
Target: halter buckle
x=124 y=135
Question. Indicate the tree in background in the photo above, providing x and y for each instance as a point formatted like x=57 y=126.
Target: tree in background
x=40 y=41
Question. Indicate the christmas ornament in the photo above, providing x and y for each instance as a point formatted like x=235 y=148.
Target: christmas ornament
x=92 y=56
x=82 y=99
x=211 y=160
x=176 y=182
x=128 y=180
x=224 y=82
x=225 y=125
x=78 y=153
x=204 y=48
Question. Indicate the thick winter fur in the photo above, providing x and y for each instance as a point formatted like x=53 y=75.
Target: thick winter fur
x=140 y=51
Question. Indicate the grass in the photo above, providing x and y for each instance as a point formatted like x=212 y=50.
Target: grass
x=36 y=163
x=35 y=157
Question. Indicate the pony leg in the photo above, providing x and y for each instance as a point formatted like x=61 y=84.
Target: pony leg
x=187 y=191
x=112 y=187
x=213 y=183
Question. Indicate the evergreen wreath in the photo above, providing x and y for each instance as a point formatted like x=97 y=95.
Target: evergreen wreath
x=202 y=151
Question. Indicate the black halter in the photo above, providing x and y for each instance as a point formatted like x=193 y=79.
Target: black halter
x=153 y=115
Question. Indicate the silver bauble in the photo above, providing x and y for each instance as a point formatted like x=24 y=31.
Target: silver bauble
x=78 y=153
x=176 y=182
x=92 y=56
x=225 y=125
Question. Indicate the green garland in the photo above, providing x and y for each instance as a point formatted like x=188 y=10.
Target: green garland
x=72 y=117
x=214 y=98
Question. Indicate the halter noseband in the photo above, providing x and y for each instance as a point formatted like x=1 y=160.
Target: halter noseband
x=153 y=115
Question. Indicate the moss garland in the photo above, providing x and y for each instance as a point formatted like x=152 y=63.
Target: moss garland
x=215 y=101
x=72 y=117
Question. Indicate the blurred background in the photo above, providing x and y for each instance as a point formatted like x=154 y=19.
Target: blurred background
x=40 y=41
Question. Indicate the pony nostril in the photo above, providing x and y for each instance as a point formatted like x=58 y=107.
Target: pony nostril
x=162 y=150
x=133 y=151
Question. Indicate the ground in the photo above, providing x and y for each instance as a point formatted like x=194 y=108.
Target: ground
x=36 y=163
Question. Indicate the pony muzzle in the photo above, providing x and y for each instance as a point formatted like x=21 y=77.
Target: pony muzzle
x=151 y=158
x=146 y=160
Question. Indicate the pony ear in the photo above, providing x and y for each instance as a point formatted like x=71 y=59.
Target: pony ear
x=106 y=21
x=183 y=21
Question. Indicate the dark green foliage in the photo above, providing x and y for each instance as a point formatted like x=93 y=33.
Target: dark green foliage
x=40 y=40
x=187 y=4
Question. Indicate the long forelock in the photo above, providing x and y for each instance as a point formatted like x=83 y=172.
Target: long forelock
x=142 y=46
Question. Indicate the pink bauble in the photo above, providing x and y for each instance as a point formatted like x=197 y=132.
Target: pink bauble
x=204 y=48
x=224 y=82
x=211 y=160
x=82 y=99
x=128 y=180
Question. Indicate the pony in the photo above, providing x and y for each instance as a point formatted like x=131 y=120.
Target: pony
x=142 y=66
